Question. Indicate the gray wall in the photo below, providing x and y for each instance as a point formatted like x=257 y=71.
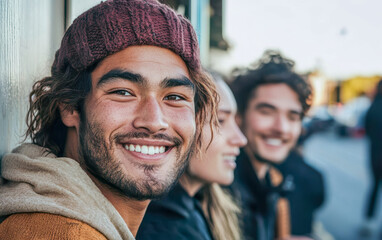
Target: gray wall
x=30 y=33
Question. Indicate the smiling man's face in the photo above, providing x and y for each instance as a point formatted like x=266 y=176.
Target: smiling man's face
x=272 y=122
x=138 y=125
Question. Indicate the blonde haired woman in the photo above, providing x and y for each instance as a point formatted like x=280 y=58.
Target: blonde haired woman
x=198 y=208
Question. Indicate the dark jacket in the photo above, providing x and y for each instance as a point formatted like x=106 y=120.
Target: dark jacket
x=307 y=195
x=373 y=127
x=258 y=200
x=177 y=216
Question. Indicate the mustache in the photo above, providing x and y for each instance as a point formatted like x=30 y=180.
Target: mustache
x=136 y=135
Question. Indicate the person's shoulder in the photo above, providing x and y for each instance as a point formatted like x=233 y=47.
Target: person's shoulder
x=163 y=230
x=166 y=212
x=175 y=206
x=168 y=218
x=46 y=226
x=169 y=229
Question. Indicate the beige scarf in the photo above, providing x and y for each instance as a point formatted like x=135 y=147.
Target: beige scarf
x=34 y=181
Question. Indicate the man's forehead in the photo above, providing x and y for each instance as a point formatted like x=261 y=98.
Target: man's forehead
x=148 y=53
x=279 y=95
x=144 y=60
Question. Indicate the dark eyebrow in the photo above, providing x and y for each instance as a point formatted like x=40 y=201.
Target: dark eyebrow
x=265 y=105
x=270 y=106
x=174 y=82
x=300 y=113
x=118 y=74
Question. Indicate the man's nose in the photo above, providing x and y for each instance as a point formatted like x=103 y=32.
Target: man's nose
x=281 y=124
x=150 y=116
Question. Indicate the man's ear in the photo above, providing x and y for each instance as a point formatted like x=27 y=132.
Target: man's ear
x=69 y=116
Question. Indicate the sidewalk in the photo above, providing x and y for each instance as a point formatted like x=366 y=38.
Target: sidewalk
x=344 y=165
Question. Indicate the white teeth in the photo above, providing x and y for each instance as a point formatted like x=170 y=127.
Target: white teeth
x=150 y=150
x=138 y=148
x=162 y=149
x=230 y=158
x=144 y=149
x=274 y=141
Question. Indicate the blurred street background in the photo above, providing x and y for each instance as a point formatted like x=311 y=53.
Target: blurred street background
x=344 y=164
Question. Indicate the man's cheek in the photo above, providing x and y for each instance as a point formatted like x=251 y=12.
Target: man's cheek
x=185 y=121
x=297 y=132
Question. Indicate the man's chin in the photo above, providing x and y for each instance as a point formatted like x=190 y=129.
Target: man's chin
x=269 y=160
x=148 y=192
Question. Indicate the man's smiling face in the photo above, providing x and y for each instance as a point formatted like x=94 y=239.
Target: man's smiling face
x=272 y=122
x=138 y=125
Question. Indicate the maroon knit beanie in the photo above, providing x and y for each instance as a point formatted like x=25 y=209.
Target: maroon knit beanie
x=115 y=25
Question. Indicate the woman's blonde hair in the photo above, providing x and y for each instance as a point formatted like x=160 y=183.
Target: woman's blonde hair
x=221 y=212
x=219 y=208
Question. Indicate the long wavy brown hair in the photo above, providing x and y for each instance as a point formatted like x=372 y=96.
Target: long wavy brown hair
x=70 y=89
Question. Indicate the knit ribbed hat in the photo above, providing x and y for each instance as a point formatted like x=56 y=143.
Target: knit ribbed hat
x=117 y=24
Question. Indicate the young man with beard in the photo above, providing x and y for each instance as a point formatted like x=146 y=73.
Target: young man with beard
x=272 y=100
x=112 y=128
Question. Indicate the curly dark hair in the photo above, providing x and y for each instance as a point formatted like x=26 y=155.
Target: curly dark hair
x=70 y=89
x=270 y=69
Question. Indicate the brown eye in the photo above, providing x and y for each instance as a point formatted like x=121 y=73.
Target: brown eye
x=266 y=111
x=174 y=98
x=294 y=117
x=122 y=92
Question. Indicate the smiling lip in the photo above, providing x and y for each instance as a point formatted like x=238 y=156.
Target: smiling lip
x=149 y=150
x=274 y=141
x=146 y=149
x=230 y=161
